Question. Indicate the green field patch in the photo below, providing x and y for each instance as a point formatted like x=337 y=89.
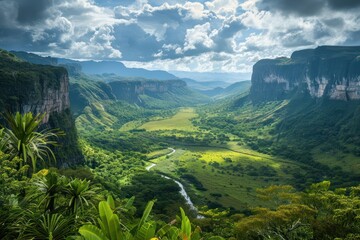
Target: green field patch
x=338 y=160
x=180 y=121
x=222 y=176
x=228 y=153
x=130 y=125
x=158 y=153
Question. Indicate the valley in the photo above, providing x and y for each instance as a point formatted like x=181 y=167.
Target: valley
x=179 y=120
x=222 y=155
x=229 y=159
x=217 y=167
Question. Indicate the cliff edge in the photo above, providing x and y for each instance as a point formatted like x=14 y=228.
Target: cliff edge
x=330 y=72
x=29 y=87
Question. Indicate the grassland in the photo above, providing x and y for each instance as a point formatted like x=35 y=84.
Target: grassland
x=158 y=153
x=130 y=125
x=220 y=173
x=180 y=121
x=336 y=159
x=95 y=114
x=229 y=178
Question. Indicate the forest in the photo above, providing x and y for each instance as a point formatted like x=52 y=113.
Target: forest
x=163 y=167
x=40 y=201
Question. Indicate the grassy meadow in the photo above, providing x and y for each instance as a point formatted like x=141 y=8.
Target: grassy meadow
x=217 y=174
x=223 y=177
x=180 y=121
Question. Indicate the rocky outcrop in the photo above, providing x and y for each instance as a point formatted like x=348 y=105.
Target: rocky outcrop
x=27 y=87
x=130 y=90
x=49 y=100
x=325 y=72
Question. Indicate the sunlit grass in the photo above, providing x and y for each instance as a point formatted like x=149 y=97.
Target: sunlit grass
x=336 y=159
x=180 y=121
x=130 y=125
x=95 y=113
x=234 y=153
x=158 y=153
x=237 y=188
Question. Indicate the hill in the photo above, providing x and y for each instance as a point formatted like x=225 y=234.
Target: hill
x=96 y=67
x=232 y=90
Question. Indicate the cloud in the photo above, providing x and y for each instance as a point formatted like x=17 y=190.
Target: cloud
x=344 y=4
x=334 y=22
x=306 y=7
x=223 y=7
x=30 y=12
x=134 y=43
x=286 y=7
x=203 y=35
x=295 y=40
x=198 y=36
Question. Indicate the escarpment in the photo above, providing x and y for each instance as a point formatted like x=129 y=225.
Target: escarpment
x=329 y=72
x=131 y=90
x=27 y=87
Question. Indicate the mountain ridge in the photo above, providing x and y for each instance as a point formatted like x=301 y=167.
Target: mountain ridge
x=327 y=71
x=97 y=67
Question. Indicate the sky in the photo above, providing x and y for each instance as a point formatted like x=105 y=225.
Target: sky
x=194 y=36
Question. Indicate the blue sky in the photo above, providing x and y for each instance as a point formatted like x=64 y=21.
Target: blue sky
x=201 y=36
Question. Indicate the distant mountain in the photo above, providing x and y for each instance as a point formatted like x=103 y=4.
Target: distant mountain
x=157 y=94
x=208 y=85
x=94 y=67
x=36 y=59
x=232 y=90
x=229 y=77
x=101 y=67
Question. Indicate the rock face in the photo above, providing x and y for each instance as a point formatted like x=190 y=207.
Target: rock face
x=325 y=72
x=49 y=100
x=29 y=87
x=130 y=90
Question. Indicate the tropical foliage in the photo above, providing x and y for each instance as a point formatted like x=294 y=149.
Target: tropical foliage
x=22 y=139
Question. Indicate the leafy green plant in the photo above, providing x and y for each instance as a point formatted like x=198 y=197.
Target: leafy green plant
x=47 y=188
x=3 y=140
x=24 y=140
x=48 y=226
x=80 y=193
x=110 y=225
x=111 y=228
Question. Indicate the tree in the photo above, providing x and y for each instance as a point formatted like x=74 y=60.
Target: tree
x=47 y=226
x=22 y=138
x=80 y=193
x=48 y=188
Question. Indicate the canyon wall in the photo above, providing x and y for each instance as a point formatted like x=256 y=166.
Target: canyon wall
x=325 y=72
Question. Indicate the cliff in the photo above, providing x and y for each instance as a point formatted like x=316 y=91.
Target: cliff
x=131 y=90
x=28 y=87
x=329 y=72
x=84 y=91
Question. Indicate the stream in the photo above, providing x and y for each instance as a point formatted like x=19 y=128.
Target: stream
x=182 y=189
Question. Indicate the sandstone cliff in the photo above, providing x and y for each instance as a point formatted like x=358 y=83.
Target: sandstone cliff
x=28 y=87
x=131 y=90
x=325 y=72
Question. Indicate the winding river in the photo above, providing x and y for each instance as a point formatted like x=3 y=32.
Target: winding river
x=182 y=189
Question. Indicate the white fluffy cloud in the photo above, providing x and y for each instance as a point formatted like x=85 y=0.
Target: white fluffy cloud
x=198 y=35
x=223 y=7
x=207 y=35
